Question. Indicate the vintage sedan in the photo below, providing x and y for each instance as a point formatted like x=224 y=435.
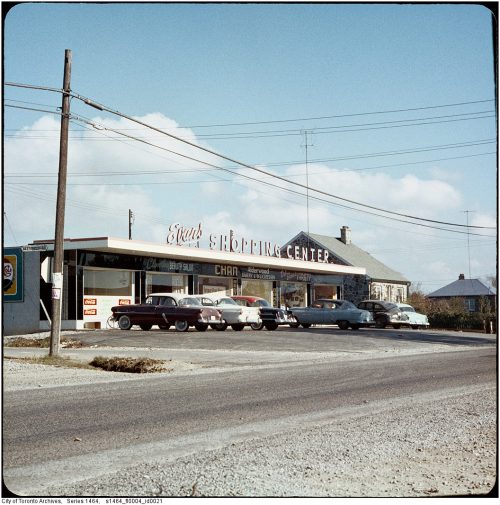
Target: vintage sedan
x=384 y=313
x=415 y=320
x=232 y=314
x=326 y=311
x=271 y=317
x=164 y=310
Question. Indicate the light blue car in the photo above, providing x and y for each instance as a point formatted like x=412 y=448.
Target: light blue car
x=326 y=311
x=415 y=320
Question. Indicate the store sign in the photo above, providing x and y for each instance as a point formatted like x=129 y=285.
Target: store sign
x=234 y=243
x=13 y=274
x=307 y=254
x=182 y=235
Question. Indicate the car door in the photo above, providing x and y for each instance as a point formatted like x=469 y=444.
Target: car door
x=329 y=312
x=167 y=307
x=316 y=313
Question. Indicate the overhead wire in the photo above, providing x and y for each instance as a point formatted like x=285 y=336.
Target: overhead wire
x=253 y=168
x=227 y=158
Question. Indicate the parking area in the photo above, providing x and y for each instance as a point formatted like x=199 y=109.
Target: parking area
x=285 y=339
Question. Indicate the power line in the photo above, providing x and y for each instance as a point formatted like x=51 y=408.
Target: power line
x=334 y=116
x=103 y=107
x=340 y=115
x=120 y=114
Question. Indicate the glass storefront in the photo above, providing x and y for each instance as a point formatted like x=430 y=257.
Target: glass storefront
x=293 y=294
x=108 y=283
x=262 y=289
x=218 y=285
x=325 y=291
x=165 y=283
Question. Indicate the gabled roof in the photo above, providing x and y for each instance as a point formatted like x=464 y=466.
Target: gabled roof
x=463 y=287
x=354 y=256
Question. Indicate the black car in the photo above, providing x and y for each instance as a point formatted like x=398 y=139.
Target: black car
x=384 y=313
x=271 y=317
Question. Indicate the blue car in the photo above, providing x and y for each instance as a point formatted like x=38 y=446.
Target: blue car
x=325 y=311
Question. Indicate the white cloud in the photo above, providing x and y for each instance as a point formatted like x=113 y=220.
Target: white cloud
x=164 y=188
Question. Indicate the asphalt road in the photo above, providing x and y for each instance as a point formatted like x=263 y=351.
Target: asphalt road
x=89 y=428
x=41 y=425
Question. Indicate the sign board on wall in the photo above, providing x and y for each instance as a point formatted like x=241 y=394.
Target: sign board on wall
x=13 y=286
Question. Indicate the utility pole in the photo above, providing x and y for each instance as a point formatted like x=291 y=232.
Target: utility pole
x=57 y=275
x=130 y=221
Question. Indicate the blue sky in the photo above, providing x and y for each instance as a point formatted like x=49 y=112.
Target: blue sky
x=259 y=76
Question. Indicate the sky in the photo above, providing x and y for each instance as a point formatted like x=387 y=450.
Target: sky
x=380 y=117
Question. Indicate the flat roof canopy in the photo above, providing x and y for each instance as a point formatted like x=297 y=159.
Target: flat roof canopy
x=184 y=253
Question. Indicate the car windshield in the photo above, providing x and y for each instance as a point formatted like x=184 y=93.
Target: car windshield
x=345 y=305
x=189 y=301
x=261 y=303
x=406 y=309
x=226 y=301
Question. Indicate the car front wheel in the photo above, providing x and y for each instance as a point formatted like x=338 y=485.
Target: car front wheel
x=294 y=325
x=343 y=325
x=257 y=326
x=181 y=325
x=124 y=323
x=219 y=326
x=271 y=326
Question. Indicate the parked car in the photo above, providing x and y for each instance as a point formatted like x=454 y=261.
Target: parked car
x=233 y=314
x=164 y=310
x=325 y=311
x=384 y=313
x=415 y=320
x=271 y=317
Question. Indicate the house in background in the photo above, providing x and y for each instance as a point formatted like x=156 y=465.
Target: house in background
x=474 y=293
x=380 y=282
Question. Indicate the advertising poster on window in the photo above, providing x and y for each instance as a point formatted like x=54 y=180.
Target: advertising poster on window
x=13 y=274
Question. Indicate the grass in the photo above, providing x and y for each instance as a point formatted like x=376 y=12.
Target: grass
x=130 y=365
x=41 y=342
x=114 y=364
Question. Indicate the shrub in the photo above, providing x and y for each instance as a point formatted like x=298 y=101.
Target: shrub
x=129 y=365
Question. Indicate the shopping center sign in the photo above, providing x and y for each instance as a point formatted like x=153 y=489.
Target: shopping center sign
x=230 y=242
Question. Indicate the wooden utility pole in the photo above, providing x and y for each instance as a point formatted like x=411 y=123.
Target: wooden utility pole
x=58 y=268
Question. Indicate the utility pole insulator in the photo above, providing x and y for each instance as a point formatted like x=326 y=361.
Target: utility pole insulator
x=58 y=268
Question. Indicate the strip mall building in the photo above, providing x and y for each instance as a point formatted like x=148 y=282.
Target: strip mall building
x=102 y=272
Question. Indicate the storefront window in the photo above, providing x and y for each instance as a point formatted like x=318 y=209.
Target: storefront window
x=165 y=283
x=107 y=282
x=293 y=294
x=219 y=285
x=262 y=289
x=325 y=291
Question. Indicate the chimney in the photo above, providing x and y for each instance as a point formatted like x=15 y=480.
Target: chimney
x=461 y=277
x=345 y=235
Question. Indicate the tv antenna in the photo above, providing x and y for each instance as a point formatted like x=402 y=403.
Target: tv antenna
x=468 y=238
x=307 y=145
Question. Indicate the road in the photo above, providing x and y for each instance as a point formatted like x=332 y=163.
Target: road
x=289 y=379
x=60 y=430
